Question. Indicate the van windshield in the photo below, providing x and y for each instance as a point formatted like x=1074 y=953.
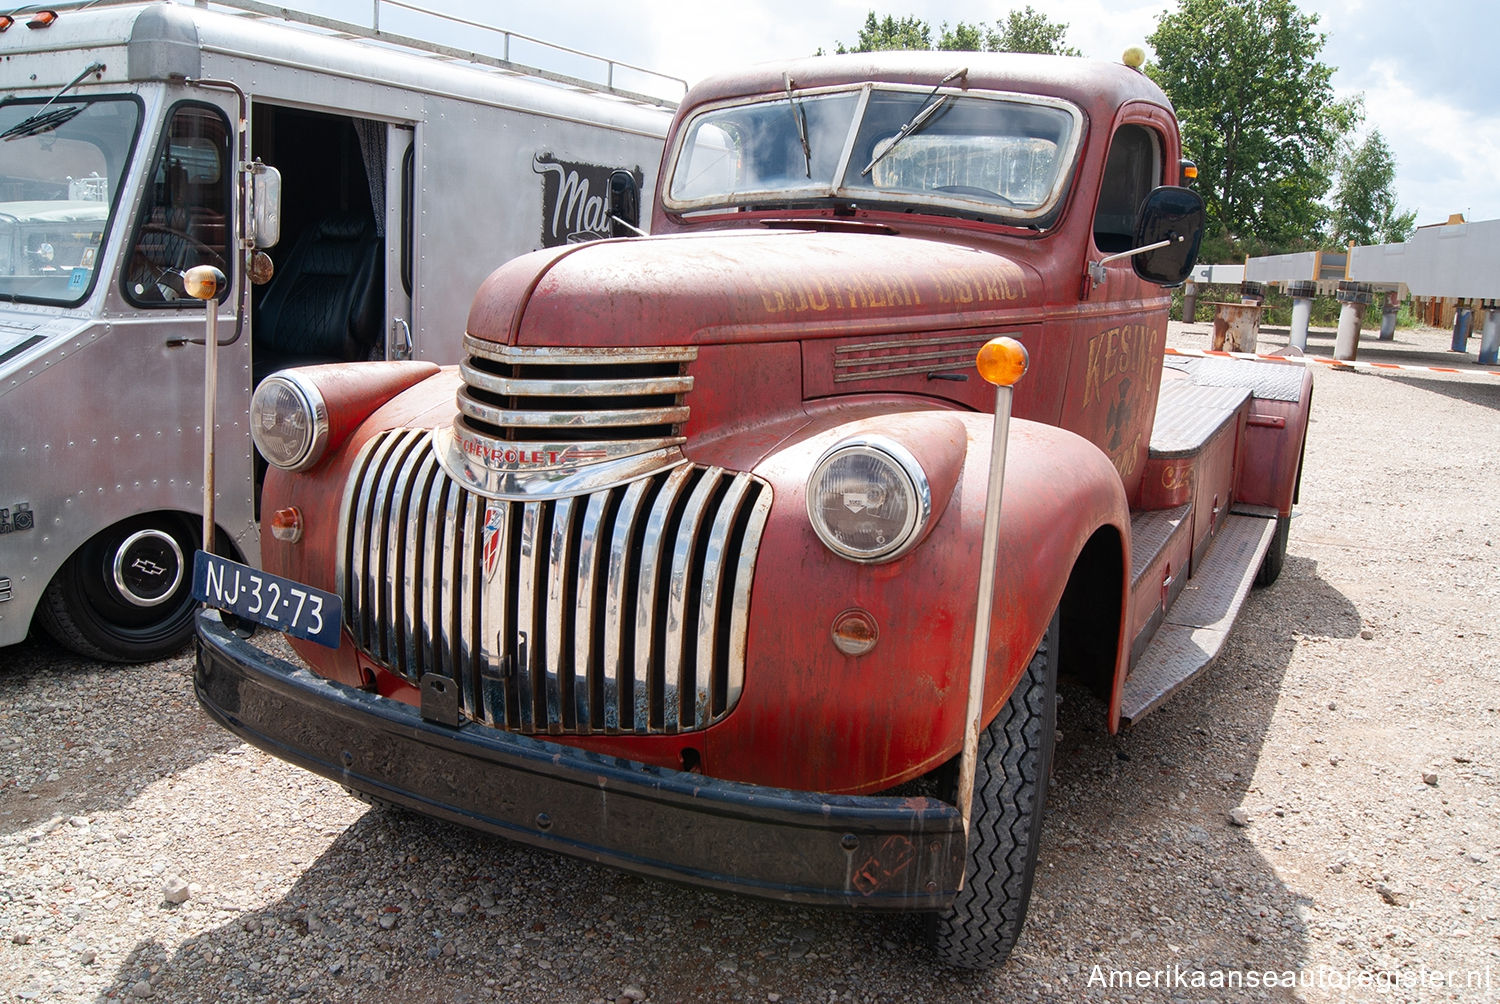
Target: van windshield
x=61 y=168
x=999 y=155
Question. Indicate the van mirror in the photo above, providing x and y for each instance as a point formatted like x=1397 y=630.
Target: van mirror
x=1172 y=217
x=265 y=197
x=624 y=205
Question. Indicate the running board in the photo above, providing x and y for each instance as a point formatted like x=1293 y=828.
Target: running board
x=1196 y=626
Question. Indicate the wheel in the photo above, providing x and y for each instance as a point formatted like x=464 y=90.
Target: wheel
x=1010 y=791
x=1270 y=565
x=126 y=595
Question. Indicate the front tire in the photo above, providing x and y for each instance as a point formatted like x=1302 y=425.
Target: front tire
x=1010 y=792
x=126 y=594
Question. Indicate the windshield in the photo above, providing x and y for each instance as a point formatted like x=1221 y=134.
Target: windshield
x=1004 y=156
x=61 y=167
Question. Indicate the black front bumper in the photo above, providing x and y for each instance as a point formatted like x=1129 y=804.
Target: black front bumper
x=893 y=853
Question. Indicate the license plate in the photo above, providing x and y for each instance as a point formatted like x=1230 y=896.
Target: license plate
x=300 y=611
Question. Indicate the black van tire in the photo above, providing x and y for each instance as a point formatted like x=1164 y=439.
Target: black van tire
x=126 y=594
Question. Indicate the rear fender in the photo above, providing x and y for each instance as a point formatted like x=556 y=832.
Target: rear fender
x=1274 y=438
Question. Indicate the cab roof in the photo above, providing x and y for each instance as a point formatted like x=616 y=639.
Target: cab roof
x=1094 y=85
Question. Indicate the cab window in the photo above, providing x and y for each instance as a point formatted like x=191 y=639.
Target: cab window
x=1133 y=169
x=185 y=214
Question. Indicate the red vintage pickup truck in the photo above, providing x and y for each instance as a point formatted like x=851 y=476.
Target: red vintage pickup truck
x=677 y=570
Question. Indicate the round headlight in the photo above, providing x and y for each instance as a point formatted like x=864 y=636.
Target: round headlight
x=289 y=421
x=868 y=499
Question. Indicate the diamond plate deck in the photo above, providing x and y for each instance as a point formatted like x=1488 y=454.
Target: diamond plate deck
x=1188 y=414
x=1271 y=381
x=1197 y=625
x=1149 y=533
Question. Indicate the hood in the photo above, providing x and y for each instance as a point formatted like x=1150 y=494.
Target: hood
x=23 y=329
x=734 y=286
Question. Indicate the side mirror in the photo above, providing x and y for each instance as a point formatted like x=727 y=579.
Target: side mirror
x=624 y=205
x=1172 y=217
x=265 y=198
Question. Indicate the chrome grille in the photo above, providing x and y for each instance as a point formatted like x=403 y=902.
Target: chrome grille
x=544 y=394
x=622 y=610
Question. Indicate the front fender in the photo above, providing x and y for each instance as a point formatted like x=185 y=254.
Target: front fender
x=811 y=717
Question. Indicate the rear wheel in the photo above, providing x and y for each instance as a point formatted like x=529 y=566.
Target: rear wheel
x=1270 y=565
x=126 y=595
x=1010 y=791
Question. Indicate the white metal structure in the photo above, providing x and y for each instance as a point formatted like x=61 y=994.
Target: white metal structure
x=127 y=134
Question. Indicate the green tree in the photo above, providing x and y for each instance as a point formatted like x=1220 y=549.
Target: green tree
x=1025 y=30
x=1029 y=30
x=1364 y=203
x=1258 y=116
x=889 y=33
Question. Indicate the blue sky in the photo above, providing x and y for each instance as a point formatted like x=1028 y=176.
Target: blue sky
x=1426 y=73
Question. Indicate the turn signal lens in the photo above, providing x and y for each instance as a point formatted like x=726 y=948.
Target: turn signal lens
x=1002 y=361
x=286 y=524
x=855 y=632
x=289 y=421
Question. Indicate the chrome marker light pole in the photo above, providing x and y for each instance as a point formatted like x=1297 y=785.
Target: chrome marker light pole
x=1002 y=361
x=204 y=282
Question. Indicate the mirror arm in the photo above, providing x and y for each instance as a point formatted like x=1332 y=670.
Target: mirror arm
x=1096 y=268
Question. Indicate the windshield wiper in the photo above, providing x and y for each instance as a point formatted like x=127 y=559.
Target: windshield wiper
x=800 y=117
x=45 y=121
x=928 y=109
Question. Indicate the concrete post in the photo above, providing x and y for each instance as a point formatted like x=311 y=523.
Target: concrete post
x=1189 y=301
x=1461 y=318
x=1355 y=296
x=1302 y=294
x=1489 y=345
x=1388 y=311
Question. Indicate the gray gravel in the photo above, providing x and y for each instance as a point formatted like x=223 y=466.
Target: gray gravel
x=1324 y=802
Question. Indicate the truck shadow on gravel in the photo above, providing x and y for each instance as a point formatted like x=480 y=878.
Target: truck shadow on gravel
x=79 y=737
x=1141 y=869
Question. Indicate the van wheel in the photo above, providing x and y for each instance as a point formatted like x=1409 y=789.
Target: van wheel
x=1010 y=791
x=126 y=595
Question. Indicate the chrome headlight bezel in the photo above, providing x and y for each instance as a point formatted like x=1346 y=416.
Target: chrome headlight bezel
x=905 y=475
x=291 y=387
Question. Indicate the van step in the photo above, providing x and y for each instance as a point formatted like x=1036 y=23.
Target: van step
x=1196 y=626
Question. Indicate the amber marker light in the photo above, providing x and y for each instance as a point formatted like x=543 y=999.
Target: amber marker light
x=1002 y=361
x=42 y=19
x=203 y=282
x=6 y=21
x=286 y=524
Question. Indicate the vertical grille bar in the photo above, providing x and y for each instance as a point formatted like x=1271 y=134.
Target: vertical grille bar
x=527 y=591
x=386 y=517
x=619 y=625
x=417 y=474
x=558 y=617
x=489 y=563
x=467 y=516
x=684 y=692
x=649 y=681
x=442 y=632
x=588 y=659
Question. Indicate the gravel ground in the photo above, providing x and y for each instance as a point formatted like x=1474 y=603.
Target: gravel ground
x=1322 y=805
